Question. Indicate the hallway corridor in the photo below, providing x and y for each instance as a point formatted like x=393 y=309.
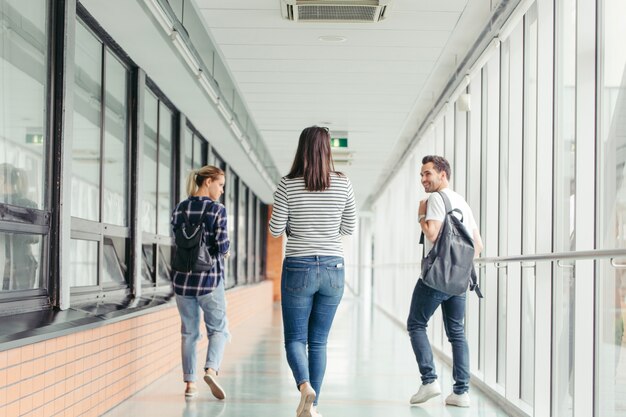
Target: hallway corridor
x=371 y=372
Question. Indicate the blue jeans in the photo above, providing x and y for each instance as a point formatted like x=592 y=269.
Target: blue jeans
x=311 y=289
x=423 y=305
x=213 y=305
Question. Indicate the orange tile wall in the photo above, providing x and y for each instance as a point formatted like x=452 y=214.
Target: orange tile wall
x=91 y=371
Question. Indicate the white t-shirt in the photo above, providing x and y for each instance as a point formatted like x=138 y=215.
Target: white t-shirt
x=436 y=210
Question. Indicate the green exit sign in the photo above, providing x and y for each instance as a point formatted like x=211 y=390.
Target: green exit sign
x=36 y=139
x=339 y=142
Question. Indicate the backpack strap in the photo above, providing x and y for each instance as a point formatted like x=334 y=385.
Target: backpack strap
x=186 y=217
x=449 y=209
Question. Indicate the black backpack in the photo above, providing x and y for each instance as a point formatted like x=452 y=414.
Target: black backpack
x=449 y=266
x=192 y=252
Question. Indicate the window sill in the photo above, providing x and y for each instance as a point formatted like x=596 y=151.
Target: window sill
x=28 y=328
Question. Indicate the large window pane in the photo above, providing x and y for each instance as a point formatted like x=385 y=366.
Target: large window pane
x=165 y=203
x=187 y=160
x=232 y=183
x=242 y=235
x=23 y=79
x=505 y=79
x=611 y=347
x=86 y=152
x=564 y=187
x=20 y=260
x=115 y=178
x=149 y=162
x=529 y=201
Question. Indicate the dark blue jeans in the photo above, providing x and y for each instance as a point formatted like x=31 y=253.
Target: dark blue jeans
x=423 y=305
x=311 y=289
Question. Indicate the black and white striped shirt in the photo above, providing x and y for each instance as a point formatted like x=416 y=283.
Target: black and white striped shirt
x=313 y=220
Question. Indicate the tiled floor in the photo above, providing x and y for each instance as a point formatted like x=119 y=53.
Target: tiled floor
x=371 y=372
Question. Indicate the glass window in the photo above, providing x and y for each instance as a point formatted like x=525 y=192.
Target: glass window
x=20 y=260
x=23 y=82
x=251 y=238
x=84 y=263
x=505 y=56
x=114 y=270
x=232 y=182
x=187 y=160
x=115 y=160
x=149 y=163
x=86 y=152
x=242 y=235
x=529 y=203
x=564 y=220
x=100 y=163
x=165 y=200
x=158 y=187
x=611 y=344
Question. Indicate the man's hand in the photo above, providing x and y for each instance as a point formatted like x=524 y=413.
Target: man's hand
x=423 y=207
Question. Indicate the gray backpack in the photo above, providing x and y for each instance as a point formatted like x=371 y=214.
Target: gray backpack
x=449 y=266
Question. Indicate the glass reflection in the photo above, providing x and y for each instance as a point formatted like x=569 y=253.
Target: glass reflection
x=86 y=152
x=149 y=162
x=20 y=256
x=23 y=82
x=115 y=161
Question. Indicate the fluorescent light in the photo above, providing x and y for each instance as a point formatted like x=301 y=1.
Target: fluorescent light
x=159 y=14
x=184 y=50
x=222 y=108
x=208 y=87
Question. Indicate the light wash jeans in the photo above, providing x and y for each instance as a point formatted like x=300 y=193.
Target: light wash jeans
x=213 y=305
x=311 y=289
x=423 y=305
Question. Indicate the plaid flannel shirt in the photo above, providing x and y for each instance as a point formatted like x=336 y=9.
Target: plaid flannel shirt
x=215 y=235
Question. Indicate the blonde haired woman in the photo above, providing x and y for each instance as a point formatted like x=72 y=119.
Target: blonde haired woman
x=203 y=290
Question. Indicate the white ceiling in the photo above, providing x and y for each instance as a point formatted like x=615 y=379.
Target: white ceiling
x=376 y=85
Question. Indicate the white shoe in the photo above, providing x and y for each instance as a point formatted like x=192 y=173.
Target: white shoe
x=216 y=389
x=426 y=392
x=462 y=400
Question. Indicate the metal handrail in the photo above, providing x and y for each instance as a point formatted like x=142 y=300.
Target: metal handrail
x=555 y=256
x=500 y=262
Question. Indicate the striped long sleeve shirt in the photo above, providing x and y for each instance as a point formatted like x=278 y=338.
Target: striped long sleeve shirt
x=216 y=237
x=313 y=220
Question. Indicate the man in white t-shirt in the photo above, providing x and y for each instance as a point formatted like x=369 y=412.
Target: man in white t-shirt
x=435 y=174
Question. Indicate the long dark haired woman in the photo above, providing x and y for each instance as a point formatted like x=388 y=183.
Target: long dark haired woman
x=314 y=205
x=203 y=290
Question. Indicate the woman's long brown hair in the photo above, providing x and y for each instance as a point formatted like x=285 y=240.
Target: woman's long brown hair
x=313 y=160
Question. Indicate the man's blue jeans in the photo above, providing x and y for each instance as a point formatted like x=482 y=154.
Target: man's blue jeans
x=423 y=305
x=311 y=289
x=213 y=305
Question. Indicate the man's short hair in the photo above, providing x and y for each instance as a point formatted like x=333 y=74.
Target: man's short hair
x=439 y=163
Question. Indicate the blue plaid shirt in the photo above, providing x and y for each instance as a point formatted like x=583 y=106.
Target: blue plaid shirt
x=216 y=237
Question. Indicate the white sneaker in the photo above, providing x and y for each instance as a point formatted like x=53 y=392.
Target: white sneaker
x=462 y=400
x=426 y=392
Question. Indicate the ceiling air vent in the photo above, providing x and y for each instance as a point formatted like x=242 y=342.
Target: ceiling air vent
x=335 y=10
